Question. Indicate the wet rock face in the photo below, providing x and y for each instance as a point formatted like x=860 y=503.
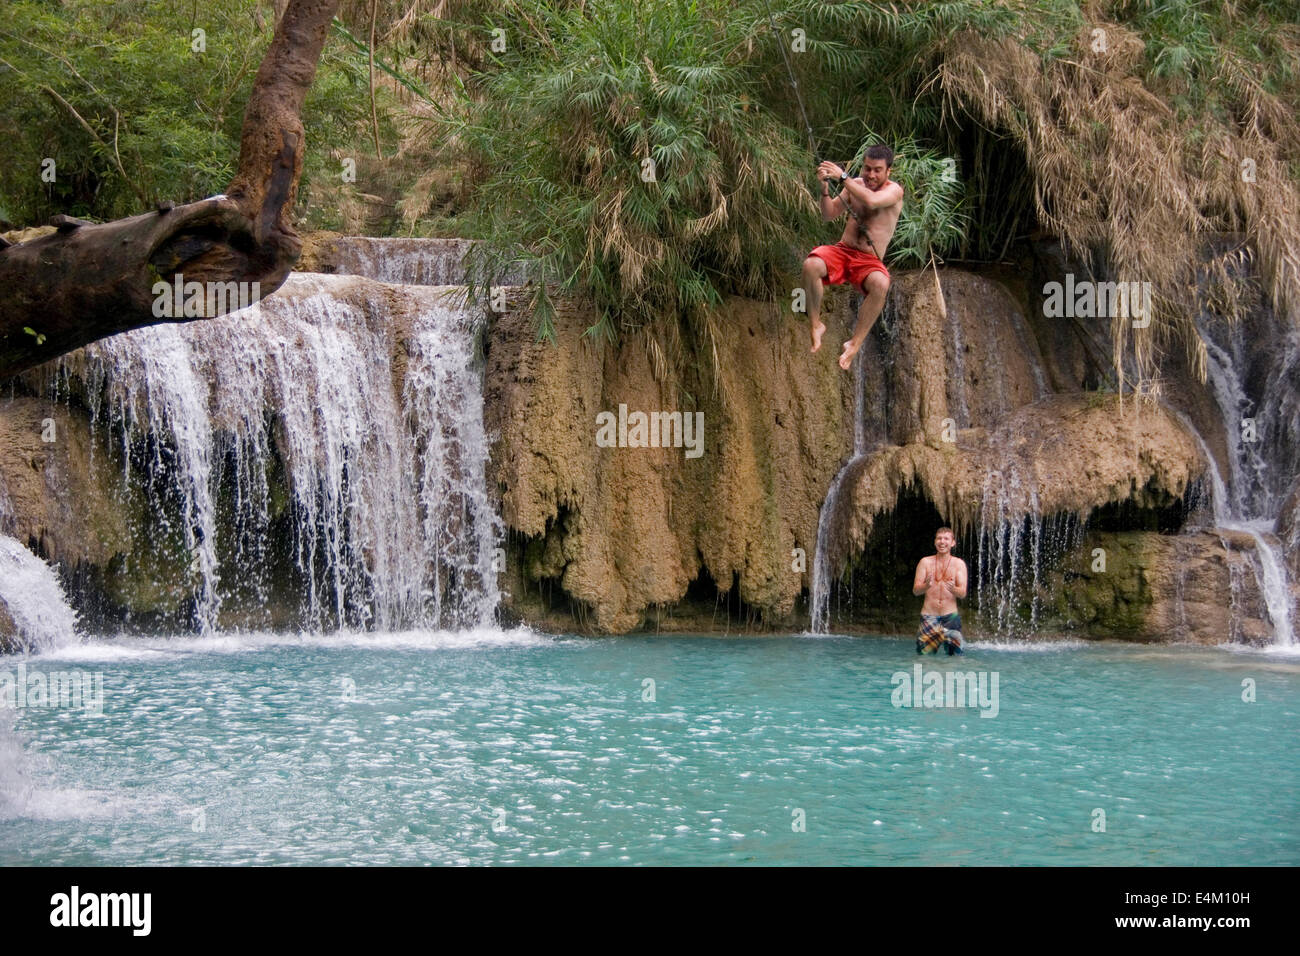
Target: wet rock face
x=1064 y=454
x=963 y=352
x=1194 y=588
x=624 y=531
x=1288 y=528
x=8 y=630
x=959 y=404
x=57 y=504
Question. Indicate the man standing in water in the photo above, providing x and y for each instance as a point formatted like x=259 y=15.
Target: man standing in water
x=873 y=203
x=942 y=579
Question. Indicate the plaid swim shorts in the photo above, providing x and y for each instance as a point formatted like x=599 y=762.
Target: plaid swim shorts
x=939 y=630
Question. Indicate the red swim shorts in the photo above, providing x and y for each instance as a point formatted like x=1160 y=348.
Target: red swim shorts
x=846 y=264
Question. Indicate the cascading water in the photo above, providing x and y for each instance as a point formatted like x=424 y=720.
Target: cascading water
x=1015 y=543
x=402 y=261
x=1267 y=563
x=31 y=594
x=408 y=261
x=153 y=388
x=957 y=377
x=6 y=508
x=318 y=412
x=461 y=527
x=1262 y=433
x=819 y=599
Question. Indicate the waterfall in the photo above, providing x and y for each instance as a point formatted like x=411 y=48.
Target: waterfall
x=152 y=385
x=1015 y=542
x=1267 y=563
x=402 y=261
x=31 y=593
x=408 y=261
x=957 y=373
x=819 y=599
x=1029 y=348
x=1000 y=544
x=346 y=411
x=6 y=508
x=1262 y=433
x=461 y=526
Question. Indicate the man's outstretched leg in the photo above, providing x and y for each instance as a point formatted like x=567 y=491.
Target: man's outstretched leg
x=814 y=271
x=876 y=286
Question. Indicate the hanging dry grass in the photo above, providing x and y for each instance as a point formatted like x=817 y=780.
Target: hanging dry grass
x=1132 y=190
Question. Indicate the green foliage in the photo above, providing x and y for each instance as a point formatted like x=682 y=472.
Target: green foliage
x=934 y=218
x=116 y=94
x=568 y=116
x=539 y=147
x=1187 y=39
x=630 y=159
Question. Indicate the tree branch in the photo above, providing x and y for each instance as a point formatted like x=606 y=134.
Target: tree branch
x=87 y=281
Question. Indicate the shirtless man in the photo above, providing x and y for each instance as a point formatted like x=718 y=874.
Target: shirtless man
x=873 y=203
x=942 y=579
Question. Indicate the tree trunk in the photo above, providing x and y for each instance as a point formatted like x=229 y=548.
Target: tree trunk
x=86 y=282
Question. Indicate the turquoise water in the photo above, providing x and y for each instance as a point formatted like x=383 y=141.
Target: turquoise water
x=510 y=747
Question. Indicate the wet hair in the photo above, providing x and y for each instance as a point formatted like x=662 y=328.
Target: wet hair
x=942 y=530
x=879 y=152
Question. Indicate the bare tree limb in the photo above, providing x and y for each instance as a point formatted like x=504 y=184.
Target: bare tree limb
x=87 y=281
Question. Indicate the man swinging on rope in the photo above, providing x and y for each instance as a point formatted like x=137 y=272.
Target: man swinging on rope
x=873 y=203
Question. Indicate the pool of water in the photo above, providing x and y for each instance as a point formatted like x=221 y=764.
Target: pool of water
x=510 y=747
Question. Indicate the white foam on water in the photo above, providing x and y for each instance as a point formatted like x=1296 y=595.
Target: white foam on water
x=1030 y=645
x=1282 y=652
x=34 y=597
x=128 y=649
x=476 y=637
x=109 y=649
x=28 y=790
x=382 y=445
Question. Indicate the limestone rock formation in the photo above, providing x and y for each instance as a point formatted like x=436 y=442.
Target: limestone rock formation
x=1288 y=528
x=1156 y=587
x=626 y=529
x=1065 y=453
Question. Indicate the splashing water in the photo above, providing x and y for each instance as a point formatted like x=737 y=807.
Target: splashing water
x=1262 y=447
x=1266 y=561
x=1015 y=543
x=30 y=591
x=371 y=425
